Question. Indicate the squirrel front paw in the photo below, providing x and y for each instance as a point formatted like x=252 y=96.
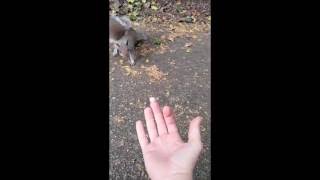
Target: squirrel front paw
x=131 y=58
x=131 y=62
x=115 y=52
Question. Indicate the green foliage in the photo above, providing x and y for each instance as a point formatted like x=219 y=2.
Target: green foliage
x=157 y=41
x=132 y=17
x=135 y=7
x=153 y=7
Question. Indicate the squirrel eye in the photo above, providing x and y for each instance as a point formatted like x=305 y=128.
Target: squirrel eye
x=127 y=43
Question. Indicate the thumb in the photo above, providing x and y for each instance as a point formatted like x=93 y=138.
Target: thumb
x=194 y=136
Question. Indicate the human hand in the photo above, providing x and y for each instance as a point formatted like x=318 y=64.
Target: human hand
x=166 y=156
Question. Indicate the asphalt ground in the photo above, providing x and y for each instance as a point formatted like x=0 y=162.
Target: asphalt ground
x=178 y=77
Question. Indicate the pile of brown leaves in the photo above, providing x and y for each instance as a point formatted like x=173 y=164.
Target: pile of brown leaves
x=154 y=73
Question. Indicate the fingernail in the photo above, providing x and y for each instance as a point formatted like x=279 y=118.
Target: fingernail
x=152 y=99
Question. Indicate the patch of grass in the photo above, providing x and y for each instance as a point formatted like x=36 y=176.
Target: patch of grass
x=157 y=41
x=135 y=7
x=132 y=17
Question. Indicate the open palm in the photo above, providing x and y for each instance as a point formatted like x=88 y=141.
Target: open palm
x=166 y=156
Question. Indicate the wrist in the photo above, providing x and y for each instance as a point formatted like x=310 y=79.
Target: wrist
x=178 y=177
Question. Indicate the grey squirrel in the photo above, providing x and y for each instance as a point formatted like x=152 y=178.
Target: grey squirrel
x=124 y=38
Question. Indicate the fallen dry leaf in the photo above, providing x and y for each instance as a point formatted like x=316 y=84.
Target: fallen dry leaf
x=188 y=44
x=140 y=104
x=154 y=73
x=112 y=70
x=172 y=63
x=171 y=27
x=130 y=71
x=145 y=50
x=118 y=120
x=136 y=24
x=162 y=49
x=154 y=19
x=171 y=37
